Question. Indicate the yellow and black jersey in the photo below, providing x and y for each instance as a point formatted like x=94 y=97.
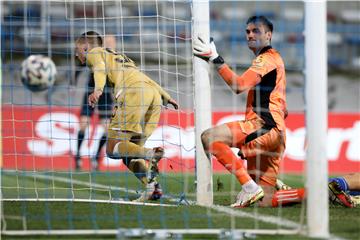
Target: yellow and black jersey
x=120 y=70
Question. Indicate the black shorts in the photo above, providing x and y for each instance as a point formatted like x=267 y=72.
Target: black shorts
x=104 y=104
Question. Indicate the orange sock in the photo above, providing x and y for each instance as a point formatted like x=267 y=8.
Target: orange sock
x=231 y=162
x=288 y=197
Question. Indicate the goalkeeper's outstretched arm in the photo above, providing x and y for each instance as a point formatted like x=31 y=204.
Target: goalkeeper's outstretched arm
x=238 y=84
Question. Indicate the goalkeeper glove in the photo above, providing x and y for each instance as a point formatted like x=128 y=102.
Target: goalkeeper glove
x=207 y=51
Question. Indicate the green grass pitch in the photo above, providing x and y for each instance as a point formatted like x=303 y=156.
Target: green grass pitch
x=18 y=215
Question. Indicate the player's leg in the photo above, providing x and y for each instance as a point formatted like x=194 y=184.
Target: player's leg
x=83 y=124
x=95 y=160
x=85 y=113
x=274 y=194
x=120 y=146
x=218 y=142
x=263 y=155
x=276 y=198
x=353 y=181
x=151 y=121
x=288 y=197
x=151 y=107
x=127 y=126
x=105 y=110
x=337 y=194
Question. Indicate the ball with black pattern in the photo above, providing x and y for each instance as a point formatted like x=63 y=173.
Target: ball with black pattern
x=38 y=73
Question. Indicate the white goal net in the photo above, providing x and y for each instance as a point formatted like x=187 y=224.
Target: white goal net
x=52 y=183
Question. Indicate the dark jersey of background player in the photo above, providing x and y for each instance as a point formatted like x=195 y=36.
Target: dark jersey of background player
x=104 y=112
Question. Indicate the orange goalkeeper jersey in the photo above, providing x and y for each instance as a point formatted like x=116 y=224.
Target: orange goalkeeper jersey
x=266 y=82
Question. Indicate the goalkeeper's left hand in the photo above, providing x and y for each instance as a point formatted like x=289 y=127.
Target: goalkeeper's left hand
x=206 y=51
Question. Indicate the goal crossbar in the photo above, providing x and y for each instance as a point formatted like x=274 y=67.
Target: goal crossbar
x=139 y=232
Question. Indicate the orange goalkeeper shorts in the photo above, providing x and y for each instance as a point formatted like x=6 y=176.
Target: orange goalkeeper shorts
x=263 y=154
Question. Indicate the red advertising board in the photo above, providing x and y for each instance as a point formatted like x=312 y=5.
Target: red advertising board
x=44 y=138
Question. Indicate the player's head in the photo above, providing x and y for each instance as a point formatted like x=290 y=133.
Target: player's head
x=85 y=43
x=258 y=32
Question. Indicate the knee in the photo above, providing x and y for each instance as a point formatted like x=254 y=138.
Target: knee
x=109 y=152
x=112 y=150
x=205 y=138
x=119 y=150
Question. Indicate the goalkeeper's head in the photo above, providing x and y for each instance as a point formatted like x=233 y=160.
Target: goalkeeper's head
x=258 y=33
x=85 y=43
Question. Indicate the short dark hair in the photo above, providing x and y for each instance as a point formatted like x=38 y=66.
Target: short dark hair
x=92 y=37
x=263 y=20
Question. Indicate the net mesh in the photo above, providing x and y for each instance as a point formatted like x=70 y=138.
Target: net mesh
x=41 y=186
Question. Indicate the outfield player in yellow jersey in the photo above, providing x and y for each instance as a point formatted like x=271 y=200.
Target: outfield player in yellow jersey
x=136 y=113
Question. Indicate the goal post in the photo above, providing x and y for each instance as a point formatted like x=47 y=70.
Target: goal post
x=316 y=119
x=201 y=26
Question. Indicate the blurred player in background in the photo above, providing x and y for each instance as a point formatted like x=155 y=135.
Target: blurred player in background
x=104 y=108
x=136 y=113
x=345 y=190
x=261 y=136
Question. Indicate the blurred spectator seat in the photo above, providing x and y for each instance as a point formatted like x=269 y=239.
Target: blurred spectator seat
x=179 y=12
x=350 y=15
x=34 y=36
x=277 y=38
x=334 y=38
x=293 y=14
x=331 y=17
x=233 y=13
x=148 y=11
x=58 y=12
x=87 y=11
x=295 y=38
x=32 y=14
x=5 y=10
x=356 y=62
x=353 y=39
x=115 y=12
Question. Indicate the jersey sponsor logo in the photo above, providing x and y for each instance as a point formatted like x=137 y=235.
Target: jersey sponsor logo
x=258 y=62
x=43 y=140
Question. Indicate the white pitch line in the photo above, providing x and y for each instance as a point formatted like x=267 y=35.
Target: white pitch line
x=224 y=209
x=263 y=218
x=88 y=201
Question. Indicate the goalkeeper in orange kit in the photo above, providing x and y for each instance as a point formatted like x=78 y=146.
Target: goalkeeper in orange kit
x=136 y=113
x=261 y=136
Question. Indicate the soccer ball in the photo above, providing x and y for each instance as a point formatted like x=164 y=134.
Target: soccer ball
x=38 y=73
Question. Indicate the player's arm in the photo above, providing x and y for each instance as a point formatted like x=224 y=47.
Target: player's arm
x=97 y=64
x=164 y=95
x=238 y=84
